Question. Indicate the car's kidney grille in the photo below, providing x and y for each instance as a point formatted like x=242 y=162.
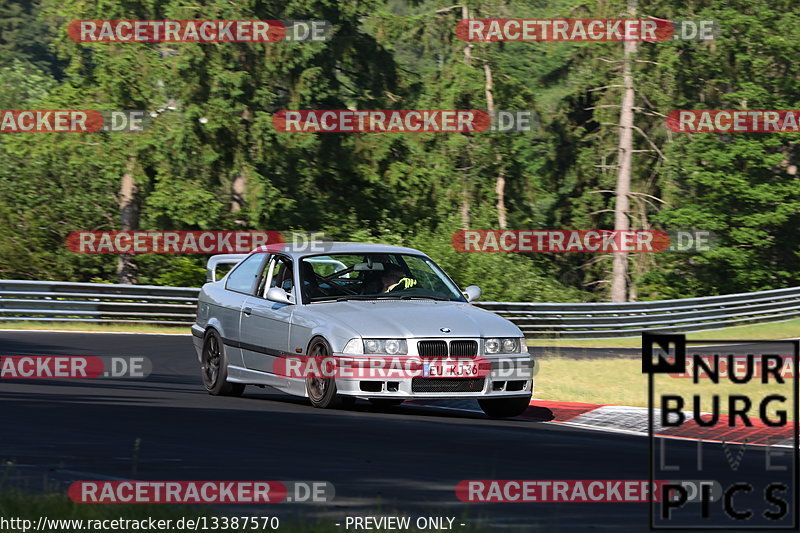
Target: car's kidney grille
x=446 y=385
x=440 y=348
x=463 y=348
x=432 y=348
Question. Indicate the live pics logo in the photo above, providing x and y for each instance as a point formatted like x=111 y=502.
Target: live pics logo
x=725 y=440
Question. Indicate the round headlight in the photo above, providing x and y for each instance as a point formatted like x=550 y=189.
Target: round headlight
x=492 y=345
x=372 y=346
x=392 y=347
x=509 y=345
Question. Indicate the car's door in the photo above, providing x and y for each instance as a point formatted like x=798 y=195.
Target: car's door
x=239 y=285
x=264 y=325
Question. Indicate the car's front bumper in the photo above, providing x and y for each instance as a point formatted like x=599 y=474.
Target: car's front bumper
x=510 y=376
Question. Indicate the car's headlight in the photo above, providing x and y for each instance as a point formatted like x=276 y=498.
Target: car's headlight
x=492 y=345
x=510 y=345
x=394 y=347
x=354 y=347
x=386 y=346
x=498 y=346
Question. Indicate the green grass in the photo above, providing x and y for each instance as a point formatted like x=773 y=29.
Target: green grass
x=81 y=326
x=773 y=330
x=619 y=381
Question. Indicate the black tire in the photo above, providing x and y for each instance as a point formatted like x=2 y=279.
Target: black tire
x=214 y=367
x=385 y=403
x=504 y=407
x=322 y=391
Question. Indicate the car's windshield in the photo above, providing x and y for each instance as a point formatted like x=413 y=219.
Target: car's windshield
x=375 y=276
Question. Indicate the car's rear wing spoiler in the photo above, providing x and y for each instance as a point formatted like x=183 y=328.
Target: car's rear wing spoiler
x=221 y=259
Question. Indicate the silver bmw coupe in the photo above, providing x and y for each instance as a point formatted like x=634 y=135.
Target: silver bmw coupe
x=356 y=320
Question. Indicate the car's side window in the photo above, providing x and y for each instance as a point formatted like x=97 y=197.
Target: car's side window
x=244 y=276
x=278 y=273
x=282 y=277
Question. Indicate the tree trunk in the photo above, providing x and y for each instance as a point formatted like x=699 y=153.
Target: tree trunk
x=468 y=46
x=619 y=276
x=129 y=219
x=500 y=180
x=464 y=206
x=465 y=200
x=239 y=185
x=465 y=190
x=238 y=189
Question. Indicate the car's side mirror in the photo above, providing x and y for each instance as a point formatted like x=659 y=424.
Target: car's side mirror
x=473 y=292
x=276 y=294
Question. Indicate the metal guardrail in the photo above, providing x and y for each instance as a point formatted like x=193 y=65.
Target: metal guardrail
x=597 y=320
x=54 y=301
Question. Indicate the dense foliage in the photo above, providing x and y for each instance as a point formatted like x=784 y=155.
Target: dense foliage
x=233 y=170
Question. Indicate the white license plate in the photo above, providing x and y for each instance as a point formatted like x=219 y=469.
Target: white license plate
x=450 y=369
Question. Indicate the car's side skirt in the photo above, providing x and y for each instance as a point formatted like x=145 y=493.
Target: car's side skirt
x=238 y=374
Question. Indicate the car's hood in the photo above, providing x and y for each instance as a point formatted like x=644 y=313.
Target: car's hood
x=415 y=318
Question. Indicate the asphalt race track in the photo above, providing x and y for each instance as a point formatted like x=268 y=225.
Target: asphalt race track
x=403 y=461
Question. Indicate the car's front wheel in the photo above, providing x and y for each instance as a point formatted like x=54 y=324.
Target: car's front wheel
x=504 y=407
x=321 y=390
x=215 y=368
